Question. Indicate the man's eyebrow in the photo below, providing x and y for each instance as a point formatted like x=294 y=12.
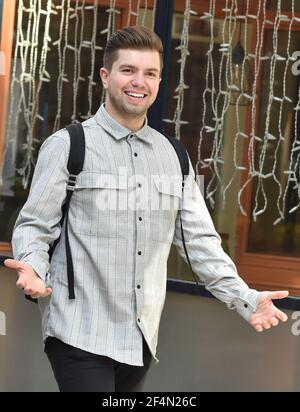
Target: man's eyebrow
x=151 y=69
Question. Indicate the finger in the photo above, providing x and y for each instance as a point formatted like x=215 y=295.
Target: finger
x=281 y=316
x=47 y=292
x=274 y=321
x=280 y=294
x=13 y=264
x=37 y=293
x=266 y=324
x=258 y=328
x=21 y=284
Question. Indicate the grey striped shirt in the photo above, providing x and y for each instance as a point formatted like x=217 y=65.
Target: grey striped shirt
x=123 y=219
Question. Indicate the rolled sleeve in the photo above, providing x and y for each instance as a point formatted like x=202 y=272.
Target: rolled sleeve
x=38 y=224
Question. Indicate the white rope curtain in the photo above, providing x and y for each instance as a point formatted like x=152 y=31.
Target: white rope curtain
x=218 y=95
x=30 y=72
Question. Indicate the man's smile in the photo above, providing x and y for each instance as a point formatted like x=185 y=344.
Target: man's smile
x=135 y=96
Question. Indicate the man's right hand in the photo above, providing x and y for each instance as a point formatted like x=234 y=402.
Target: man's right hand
x=28 y=280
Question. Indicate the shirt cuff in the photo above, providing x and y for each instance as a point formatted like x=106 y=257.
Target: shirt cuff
x=246 y=304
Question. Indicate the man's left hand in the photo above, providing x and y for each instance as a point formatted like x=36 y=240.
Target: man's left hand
x=267 y=315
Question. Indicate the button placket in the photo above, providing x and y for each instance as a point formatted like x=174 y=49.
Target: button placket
x=139 y=267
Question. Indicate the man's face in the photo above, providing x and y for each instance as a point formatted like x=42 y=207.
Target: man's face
x=132 y=84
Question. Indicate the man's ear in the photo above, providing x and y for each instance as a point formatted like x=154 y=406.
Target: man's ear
x=104 y=74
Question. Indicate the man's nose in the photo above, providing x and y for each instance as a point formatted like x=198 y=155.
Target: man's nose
x=138 y=80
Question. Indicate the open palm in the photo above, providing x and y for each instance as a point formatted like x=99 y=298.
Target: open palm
x=266 y=314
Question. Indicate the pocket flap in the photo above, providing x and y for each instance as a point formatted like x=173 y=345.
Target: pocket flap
x=169 y=185
x=100 y=180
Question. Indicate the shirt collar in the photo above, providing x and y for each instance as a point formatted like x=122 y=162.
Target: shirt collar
x=117 y=130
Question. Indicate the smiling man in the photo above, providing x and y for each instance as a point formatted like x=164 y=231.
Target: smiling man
x=131 y=83
x=106 y=338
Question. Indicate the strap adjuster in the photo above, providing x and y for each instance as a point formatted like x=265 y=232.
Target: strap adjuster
x=71 y=182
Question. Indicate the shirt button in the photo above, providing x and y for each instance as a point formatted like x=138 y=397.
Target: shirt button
x=140 y=219
x=245 y=305
x=139 y=252
x=139 y=286
x=139 y=319
x=135 y=154
x=139 y=184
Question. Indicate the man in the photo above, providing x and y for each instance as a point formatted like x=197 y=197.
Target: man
x=105 y=338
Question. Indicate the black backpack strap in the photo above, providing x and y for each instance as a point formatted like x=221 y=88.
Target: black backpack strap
x=75 y=165
x=182 y=155
x=185 y=168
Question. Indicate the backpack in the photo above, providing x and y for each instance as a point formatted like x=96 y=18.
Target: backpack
x=75 y=165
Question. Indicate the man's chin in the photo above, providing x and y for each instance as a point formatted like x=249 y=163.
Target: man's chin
x=136 y=111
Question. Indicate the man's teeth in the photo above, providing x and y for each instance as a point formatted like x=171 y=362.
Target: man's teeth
x=135 y=95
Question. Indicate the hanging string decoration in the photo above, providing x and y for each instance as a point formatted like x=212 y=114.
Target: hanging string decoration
x=266 y=144
x=182 y=86
x=57 y=53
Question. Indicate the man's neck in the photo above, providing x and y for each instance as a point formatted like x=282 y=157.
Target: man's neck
x=134 y=124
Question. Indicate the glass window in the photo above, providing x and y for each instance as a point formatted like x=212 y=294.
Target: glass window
x=264 y=236
x=13 y=194
x=286 y=5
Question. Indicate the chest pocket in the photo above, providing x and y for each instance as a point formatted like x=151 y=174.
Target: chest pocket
x=167 y=196
x=99 y=204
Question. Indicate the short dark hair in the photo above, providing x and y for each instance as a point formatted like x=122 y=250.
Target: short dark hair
x=132 y=37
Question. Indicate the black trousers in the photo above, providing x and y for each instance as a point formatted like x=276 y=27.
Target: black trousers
x=76 y=370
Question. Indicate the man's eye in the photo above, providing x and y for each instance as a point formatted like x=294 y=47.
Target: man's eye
x=151 y=74
x=127 y=70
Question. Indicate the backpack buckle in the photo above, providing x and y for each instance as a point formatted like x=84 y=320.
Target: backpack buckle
x=71 y=182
